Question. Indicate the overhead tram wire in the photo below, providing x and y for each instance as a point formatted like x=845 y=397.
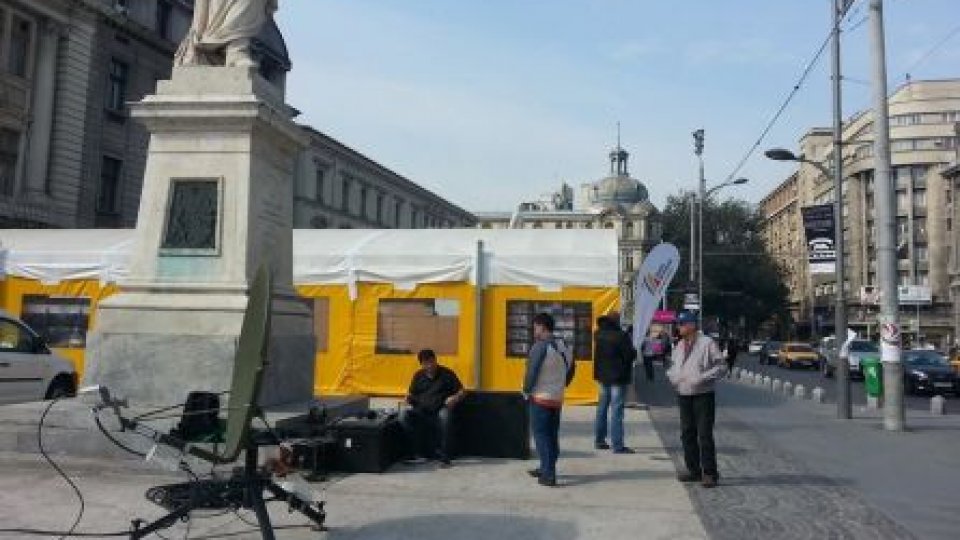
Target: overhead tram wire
x=926 y=56
x=786 y=102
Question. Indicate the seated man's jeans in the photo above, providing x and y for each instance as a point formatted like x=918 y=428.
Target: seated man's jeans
x=424 y=428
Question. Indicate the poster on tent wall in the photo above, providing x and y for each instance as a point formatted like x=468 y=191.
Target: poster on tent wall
x=818 y=224
x=651 y=283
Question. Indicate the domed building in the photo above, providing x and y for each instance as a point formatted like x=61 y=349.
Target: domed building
x=618 y=201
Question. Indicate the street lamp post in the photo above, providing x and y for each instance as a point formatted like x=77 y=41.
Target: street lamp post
x=705 y=197
x=698 y=149
x=844 y=409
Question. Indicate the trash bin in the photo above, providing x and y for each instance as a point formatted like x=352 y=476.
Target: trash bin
x=872 y=376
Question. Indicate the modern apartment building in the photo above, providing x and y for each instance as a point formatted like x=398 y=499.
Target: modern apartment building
x=923 y=143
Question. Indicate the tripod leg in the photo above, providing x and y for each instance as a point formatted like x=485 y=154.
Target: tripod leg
x=259 y=508
x=165 y=522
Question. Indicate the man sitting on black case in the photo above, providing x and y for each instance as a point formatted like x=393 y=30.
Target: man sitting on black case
x=434 y=391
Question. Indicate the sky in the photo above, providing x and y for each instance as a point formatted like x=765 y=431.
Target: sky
x=493 y=102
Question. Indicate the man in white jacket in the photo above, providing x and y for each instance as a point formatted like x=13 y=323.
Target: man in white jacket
x=696 y=365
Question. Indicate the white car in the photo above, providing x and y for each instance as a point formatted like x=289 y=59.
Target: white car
x=29 y=371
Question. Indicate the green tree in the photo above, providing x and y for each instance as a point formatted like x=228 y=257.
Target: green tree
x=741 y=280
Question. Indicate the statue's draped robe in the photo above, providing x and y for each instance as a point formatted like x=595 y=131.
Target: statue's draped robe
x=219 y=23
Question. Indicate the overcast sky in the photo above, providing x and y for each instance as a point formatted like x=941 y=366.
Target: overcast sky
x=489 y=102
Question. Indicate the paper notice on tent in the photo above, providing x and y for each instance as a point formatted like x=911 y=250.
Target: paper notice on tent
x=651 y=282
x=819 y=227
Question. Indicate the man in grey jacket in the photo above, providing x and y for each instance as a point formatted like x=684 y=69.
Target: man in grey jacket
x=697 y=363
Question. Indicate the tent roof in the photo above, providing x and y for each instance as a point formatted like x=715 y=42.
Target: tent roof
x=545 y=258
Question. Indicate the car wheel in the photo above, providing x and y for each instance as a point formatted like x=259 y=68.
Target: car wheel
x=60 y=388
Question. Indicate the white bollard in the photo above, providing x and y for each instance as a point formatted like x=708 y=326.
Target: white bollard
x=777 y=385
x=788 y=388
x=767 y=381
x=873 y=402
x=800 y=392
x=736 y=373
x=758 y=379
x=938 y=405
x=818 y=395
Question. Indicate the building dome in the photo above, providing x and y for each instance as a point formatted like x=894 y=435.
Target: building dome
x=618 y=189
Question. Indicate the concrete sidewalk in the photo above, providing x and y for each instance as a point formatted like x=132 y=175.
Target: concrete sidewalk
x=602 y=495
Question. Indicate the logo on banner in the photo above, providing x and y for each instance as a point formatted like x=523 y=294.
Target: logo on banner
x=652 y=280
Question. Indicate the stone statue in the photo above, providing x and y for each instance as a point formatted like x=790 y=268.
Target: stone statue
x=222 y=32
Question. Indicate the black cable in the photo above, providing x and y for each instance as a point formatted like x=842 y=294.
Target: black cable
x=43 y=452
x=111 y=438
x=62 y=534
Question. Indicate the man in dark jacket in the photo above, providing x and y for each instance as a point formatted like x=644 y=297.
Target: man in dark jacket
x=613 y=356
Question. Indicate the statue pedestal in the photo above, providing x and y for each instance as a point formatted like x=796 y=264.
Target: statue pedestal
x=217 y=202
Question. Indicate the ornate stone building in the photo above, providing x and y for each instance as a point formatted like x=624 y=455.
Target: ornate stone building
x=70 y=156
x=617 y=201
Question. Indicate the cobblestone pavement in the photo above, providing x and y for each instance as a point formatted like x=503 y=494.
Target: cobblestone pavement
x=768 y=491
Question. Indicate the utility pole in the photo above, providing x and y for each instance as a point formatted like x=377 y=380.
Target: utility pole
x=893 y=414
x=844 y=409
x=698 y=148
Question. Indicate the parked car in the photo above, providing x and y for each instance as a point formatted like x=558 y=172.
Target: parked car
x=755 y=347
x=928 y=372
x=798 y=354
x=859 y=349
x=29 y=371
x=770 y=352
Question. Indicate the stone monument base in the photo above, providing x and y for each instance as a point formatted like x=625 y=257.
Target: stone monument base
x=169 y=345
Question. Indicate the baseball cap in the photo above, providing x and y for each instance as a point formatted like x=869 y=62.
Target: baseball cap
x=686 y=317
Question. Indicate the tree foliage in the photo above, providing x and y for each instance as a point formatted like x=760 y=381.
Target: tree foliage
x=741 y=280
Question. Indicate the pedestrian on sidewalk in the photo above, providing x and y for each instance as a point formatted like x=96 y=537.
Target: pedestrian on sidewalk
x=731 y=351
x=697 y=363
x=613 y=356
x=550 y=368
x=649 y=349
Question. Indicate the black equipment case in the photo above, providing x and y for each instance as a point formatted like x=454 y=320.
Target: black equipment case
x=368 y=444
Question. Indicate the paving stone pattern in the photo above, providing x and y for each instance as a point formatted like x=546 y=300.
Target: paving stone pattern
x=766 y=492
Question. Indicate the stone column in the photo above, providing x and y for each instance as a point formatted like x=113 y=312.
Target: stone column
x=42 y=108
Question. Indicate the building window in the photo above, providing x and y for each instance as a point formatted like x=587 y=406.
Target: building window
x=920 y=198
x=397 y=207
x=628 y=263
x=117 y=85
x=379 y=208
x=345 y=195
x=363 y=202
x=21 y=34
x=320 y=180
x=409 y=325
x=574 y=324
x=9 y=155
x=923 y=278
x=921 y=253
x=414 y=224
x=628 y=231
x=61 y=321
x=164 y=19
x=108 y=194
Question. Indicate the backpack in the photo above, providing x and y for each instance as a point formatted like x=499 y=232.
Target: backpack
x=569 y=362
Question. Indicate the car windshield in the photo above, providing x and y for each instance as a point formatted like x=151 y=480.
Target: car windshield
x=925 y=359
x=799 y=348
x=864 y=346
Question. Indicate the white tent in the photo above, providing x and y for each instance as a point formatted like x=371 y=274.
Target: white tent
x=546 y=258
x=55 y=255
